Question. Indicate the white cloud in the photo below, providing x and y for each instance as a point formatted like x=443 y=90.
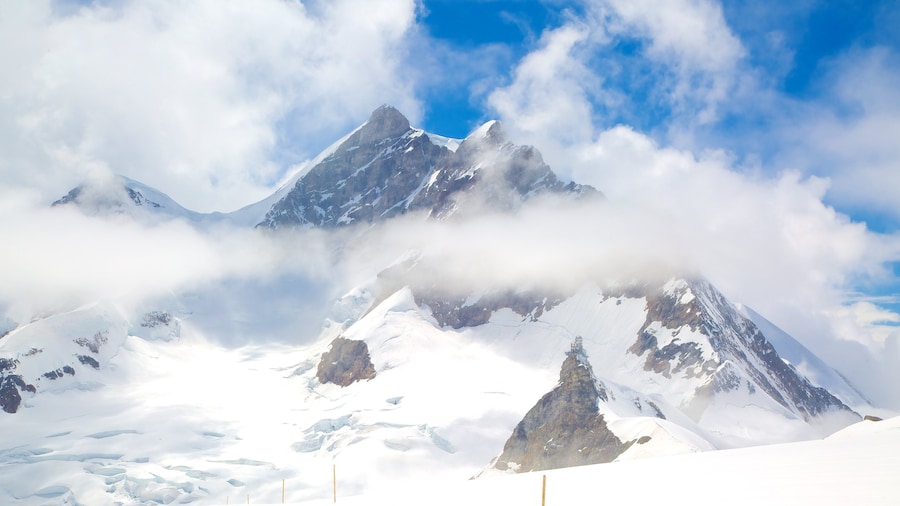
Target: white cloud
x=771 y=243
x=551 y=88
x=200 y=99
x=235 y=284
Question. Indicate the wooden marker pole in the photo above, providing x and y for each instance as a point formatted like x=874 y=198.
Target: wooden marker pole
x=282 y=491
x=334 y=481
x=544 y=492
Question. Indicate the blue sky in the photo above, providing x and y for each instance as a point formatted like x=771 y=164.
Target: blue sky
x=762 y=136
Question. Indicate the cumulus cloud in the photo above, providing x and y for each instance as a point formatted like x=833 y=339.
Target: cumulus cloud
x=686 y=62
x=690 y=40
x=210 y=100
x=848 y=134
x=551 y=88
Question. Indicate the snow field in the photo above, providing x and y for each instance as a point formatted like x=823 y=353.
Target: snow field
x=857 y=466
x=190 y=420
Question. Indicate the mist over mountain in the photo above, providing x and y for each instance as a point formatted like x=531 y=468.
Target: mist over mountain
x=405 y=303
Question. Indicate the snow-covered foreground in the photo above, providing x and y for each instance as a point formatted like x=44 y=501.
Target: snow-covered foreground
x=859 y=465
x=172 y=417
x=189 y=420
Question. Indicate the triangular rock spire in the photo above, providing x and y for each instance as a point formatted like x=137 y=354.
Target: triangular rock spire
x=565 y=427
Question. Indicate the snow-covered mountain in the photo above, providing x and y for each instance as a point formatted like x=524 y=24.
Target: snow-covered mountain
x=675 y=351
x=121 y=195
x=407 y=377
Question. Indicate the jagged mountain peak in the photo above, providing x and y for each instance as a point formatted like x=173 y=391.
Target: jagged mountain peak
x=386 y=122
x=386 y=168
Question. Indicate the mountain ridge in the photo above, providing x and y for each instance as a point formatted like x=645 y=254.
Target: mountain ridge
x=381 y=169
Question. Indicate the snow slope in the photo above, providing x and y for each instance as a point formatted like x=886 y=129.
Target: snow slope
x=806 y=361
x=856 y=466
x=182 y=418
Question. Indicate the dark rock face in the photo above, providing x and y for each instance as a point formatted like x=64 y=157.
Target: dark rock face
x=740 y=347
x=675 y=357
x=11 y=385
x=564 y=428
x=88 y=360
x=386 y=168
x=736 y=338
x=58 y=373
x=346 y=362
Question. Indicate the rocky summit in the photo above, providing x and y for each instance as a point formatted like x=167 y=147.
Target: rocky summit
x=386 y=168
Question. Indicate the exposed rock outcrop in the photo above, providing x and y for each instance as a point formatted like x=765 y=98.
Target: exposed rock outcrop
x=346 y=362
x=11 y=386
x=565 y=427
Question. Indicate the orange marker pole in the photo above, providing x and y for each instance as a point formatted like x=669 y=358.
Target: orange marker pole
x=544 y=492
